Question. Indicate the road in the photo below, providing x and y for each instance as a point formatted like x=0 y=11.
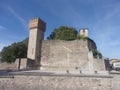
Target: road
x=8 y=74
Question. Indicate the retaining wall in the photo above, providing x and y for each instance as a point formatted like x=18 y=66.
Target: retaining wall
x=23 y=82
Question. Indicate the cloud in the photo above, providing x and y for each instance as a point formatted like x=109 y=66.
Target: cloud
x=115 y=43
x=106 y=30
x=17 y=16
x=2 y=27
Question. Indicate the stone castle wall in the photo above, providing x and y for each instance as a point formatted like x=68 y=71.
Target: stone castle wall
x=64 y=54
x=99 y=64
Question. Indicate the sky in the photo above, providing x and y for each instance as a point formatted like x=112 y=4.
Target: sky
x=101 y=17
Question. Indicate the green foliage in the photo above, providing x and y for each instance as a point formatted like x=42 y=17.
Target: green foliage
x=16 y=50
x=7 y=54
x=63 y=33
x=82 y=37
x=97 y=53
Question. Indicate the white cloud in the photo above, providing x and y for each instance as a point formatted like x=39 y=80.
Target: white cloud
x=21 y=20
x=106 y=31
x=115 y=43
x=2 y=27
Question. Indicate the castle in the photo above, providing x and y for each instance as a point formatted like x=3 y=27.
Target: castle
x=60 y=54
x=59 y=65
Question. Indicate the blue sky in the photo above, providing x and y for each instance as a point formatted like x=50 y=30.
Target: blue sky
x=102 y=17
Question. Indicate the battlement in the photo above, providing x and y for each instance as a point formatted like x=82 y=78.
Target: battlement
x=37 y=23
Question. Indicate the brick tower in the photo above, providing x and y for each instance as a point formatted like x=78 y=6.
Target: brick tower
x=36 y=35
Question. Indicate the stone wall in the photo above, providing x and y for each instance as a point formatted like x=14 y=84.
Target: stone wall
x=56 y=83
x=99 y=64
x=8 y=66
x=64 y=54
x=15 y=65
x=22 y=63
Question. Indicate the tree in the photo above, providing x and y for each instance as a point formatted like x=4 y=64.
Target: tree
x=7 y=55
x=16 y=50
x=96 y=53
x=20 y=51
x=82 y=37
x=63 y=33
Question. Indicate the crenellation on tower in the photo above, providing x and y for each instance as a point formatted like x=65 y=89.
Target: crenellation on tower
x=37 y=23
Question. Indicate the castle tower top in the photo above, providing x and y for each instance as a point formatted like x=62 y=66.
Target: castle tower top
x=84 y=32
x=37 y=23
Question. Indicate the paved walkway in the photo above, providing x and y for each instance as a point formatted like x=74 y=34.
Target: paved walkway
x=76 y=73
